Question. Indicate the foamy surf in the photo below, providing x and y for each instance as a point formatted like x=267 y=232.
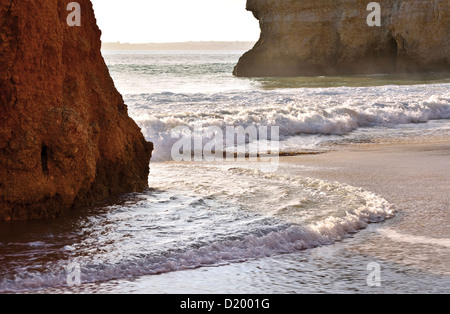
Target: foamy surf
x=312 y=116
x=165 y=231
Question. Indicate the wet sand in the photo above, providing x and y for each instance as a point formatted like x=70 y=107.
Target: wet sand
x=413 y=177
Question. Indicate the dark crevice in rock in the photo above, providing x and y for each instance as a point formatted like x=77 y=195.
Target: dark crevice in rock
x=44 y=159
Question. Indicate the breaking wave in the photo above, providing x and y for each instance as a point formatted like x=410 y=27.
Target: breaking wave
x=301 y=112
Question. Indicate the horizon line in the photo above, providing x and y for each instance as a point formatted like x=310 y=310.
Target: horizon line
x=185 y=45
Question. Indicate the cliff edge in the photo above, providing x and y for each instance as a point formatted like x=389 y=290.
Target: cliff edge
x=329 y=37
x=66 y=139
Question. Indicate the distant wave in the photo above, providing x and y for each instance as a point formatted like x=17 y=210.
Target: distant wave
x=333 y=111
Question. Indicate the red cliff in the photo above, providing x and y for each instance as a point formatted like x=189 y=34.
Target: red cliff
x=66 y=139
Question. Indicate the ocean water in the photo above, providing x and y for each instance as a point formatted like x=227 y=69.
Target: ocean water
x=208 y=227
x=165 y=90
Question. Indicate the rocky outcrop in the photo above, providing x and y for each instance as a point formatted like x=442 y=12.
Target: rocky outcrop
x=330 y=37
x=66 y=139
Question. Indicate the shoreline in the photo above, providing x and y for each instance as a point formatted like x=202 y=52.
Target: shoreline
x=409 y=175
x=408 y=256
x=411 y=253
x=415 y=178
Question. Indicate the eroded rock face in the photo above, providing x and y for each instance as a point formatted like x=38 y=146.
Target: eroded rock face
x=330 y=37
x=66 y=139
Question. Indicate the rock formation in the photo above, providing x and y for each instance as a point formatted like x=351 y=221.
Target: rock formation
x=332 y=37
x=66 y=139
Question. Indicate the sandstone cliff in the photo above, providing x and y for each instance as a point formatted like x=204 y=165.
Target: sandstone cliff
x=331 y=37
x=66 y=139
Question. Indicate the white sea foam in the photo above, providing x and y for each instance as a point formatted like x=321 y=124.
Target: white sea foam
x=158 y=234
x=321 y=112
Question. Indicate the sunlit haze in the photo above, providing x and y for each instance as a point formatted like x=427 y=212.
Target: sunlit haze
x=144 y=21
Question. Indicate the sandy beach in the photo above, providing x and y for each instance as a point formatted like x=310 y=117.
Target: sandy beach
x=415 y=178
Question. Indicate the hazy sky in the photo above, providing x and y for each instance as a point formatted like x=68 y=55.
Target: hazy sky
x=141 y=21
